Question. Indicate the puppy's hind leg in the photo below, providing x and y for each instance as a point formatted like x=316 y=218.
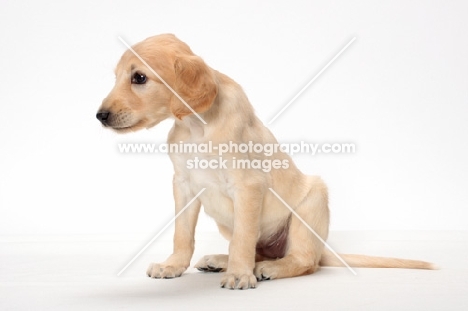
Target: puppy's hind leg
x=304 y=249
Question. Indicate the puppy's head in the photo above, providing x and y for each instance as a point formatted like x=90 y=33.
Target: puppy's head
x=140 y=99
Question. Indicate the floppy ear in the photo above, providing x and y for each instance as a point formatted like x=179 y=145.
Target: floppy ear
x=195 y=83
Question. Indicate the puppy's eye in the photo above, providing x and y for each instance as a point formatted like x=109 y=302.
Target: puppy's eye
x=138 y=78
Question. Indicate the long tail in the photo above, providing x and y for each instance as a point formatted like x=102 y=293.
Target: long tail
x=363 y=261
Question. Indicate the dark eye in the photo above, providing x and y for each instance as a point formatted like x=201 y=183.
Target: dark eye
x=138 y=78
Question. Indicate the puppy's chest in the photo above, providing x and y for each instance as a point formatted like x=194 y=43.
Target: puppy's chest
x=204 y=170
x=217 y=199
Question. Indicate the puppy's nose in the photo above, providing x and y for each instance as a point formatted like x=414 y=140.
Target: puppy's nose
x=102 y=116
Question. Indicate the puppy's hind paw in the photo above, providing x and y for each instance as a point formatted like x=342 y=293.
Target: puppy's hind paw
x=212 y=263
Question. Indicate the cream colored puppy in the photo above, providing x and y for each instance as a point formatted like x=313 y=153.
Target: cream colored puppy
x=266 y=240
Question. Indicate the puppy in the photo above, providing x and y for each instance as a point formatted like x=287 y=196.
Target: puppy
x=266 y=240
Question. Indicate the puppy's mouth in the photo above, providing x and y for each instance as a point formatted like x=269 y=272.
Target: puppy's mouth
x=127 y=128
x=119 y=122
x=120 y=128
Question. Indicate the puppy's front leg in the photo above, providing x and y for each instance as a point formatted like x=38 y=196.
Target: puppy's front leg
x=184 y=241
x=247 y=206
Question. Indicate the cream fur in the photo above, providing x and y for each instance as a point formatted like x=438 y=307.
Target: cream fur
x=237 y=199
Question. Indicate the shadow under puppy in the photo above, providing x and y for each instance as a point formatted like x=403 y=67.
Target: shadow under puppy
x=266 y=240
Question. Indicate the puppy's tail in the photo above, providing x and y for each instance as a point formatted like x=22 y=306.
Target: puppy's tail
x=363 y=261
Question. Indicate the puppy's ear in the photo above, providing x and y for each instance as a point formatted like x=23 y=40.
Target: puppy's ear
x=195 y=83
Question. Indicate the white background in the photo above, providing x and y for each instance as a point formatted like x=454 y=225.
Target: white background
x=399 y=93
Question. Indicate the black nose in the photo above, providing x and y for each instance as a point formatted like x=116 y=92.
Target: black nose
x=102 y=116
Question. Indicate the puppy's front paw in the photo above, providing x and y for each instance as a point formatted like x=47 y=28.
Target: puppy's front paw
x=239 y=281
x=162 y=271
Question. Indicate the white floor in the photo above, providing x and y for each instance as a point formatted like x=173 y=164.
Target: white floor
x=80 y=273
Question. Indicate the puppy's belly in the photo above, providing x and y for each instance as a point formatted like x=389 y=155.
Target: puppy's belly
x=274 y=246
x=217 y=203
x=221 y=209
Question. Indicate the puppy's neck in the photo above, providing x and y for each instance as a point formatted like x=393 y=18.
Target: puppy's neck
x=194 y=125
